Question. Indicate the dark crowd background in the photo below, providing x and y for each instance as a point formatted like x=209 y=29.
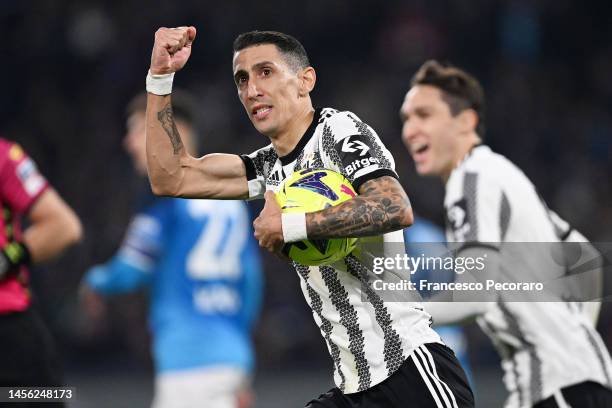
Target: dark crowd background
x=69 y=68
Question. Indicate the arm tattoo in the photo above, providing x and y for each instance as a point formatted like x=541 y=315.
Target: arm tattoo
x=382 y=206
x=166 y=118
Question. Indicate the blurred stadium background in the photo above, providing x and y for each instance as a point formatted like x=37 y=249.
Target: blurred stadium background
x=70 y=67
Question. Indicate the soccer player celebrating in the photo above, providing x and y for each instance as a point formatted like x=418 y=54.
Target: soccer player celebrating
x=28 y=356
x=552 y=355
x=385 y=354
x=202 y=264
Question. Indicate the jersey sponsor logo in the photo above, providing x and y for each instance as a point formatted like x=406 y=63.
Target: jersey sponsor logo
x=355 y=153
x=213 y=299
x=31 y=179
x=313 y=183
x=360 y=164
x=457 y=218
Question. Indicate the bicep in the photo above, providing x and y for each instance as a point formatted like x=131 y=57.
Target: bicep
x=216 y=176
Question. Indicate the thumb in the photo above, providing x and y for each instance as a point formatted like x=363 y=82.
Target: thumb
x=270 y=196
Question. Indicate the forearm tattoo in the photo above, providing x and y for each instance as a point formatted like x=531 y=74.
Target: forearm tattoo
x=166 y=118
x=382 y=206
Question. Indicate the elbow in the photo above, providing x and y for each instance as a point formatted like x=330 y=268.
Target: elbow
x=163 y=186
x=73 y=230
x=158 y=189
x=163 y=190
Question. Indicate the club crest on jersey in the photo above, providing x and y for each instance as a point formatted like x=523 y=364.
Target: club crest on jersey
x=313 y=183
x=457 y=218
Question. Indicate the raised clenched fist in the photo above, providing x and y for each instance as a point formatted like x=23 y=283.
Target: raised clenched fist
x=171 y=49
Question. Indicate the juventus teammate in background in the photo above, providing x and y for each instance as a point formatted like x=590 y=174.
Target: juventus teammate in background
x=552 y=355
x=385 y=354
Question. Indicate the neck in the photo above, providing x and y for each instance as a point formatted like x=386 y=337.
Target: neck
x=285 y=141
x=462 y=151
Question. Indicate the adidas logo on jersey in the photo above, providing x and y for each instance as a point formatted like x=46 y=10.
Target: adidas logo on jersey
x=276 y=177
x=360 y=164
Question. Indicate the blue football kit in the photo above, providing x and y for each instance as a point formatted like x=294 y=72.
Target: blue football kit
x=201 y=263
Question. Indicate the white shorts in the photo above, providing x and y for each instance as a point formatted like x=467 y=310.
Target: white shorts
x=214 y=387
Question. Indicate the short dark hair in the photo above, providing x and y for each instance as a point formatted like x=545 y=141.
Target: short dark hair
x=183 y=106
x=289 y=46
x=460 y=90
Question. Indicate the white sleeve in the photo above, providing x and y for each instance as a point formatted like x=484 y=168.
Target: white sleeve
x=444 y=313
x=463 y=307
x=595 y=283
x=353 y=148
x=477 y=210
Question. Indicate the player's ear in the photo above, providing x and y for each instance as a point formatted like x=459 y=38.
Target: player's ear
x=468 y=120
x=308 y=78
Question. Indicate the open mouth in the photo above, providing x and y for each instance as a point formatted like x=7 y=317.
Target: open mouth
x=261 y=111
x=420 y=149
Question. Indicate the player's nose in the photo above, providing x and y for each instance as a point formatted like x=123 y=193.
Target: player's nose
x=409 y=132
x=253 y=90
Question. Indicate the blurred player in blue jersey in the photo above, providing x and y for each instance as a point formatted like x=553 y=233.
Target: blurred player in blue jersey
x=425 y=238
x=201 y=263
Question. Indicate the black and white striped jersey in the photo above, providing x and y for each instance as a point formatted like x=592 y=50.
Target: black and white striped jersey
x=544 y=346
x=368 y=338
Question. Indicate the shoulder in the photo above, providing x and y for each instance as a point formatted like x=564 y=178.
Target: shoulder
x=12 y=151
x=340 y=124
x=264 y=151
x=6 y=145
x=262 y=156
x=482 y=165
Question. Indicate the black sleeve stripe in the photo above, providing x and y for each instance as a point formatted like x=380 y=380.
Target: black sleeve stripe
x=566 y=234
x=373 y=175
x=470 y=193
x=251 y=174
x=505 y=213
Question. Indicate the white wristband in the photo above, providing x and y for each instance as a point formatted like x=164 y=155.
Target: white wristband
x=159 y=84
x=294 y=227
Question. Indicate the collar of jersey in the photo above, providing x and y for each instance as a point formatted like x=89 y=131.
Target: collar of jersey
x=305 y=138
x=472 y=149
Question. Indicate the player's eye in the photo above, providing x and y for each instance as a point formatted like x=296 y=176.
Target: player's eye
x=266 y=71
x=423 y=114
x=241 y=80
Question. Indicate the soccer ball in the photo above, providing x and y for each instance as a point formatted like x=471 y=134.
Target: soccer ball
x=312 y=190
